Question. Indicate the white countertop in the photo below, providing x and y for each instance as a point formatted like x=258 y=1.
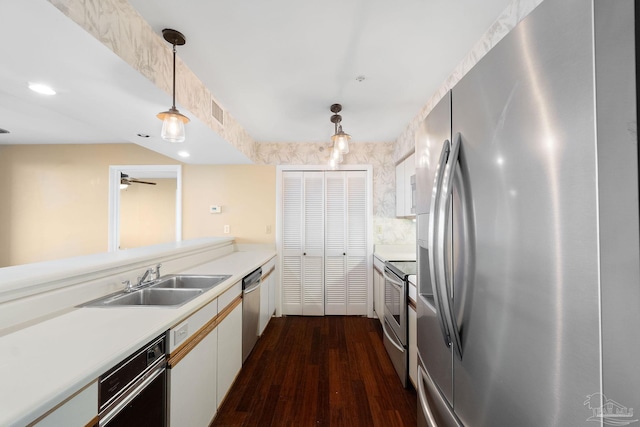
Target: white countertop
x=42 y=365
x=395 y=252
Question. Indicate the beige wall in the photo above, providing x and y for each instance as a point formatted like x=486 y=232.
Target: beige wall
x=148 y=213
x=246 y=193
x=55 y=199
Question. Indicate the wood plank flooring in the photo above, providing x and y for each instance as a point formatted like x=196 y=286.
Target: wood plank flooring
x=319 y=371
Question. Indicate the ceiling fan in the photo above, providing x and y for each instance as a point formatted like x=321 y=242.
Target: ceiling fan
x=125 y=180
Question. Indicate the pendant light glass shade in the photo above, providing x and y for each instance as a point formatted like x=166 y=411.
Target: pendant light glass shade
x=333 y=164
x=173 y=125
x=337 y=155
x=341 y=141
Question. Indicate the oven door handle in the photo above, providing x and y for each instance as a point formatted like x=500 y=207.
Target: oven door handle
x=389 y=337
x=394 y=282
x=135 y=390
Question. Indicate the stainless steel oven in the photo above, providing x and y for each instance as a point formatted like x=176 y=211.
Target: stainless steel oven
x=134 y=393
x=395 y=324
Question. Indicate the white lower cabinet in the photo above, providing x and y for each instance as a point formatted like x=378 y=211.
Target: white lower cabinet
x=192 y=390
x=267 y=294
x=229 y=351
x=205 y=358
x=378 y=288
x=413 y=346
x=79 y=410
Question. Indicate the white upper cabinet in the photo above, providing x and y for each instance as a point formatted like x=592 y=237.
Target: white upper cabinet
x=405 y=185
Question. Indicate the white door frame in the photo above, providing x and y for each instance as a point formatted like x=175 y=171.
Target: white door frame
x=140 y=171
x=324 y=168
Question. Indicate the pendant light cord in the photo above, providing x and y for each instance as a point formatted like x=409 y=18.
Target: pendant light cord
x=174 y=77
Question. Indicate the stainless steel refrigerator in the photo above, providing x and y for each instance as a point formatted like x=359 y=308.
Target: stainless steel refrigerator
x=528 y=229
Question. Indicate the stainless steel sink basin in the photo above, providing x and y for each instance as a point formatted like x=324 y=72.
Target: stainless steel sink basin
x=187 y=281
x=147 y=297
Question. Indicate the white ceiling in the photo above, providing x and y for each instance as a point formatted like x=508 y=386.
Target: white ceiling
x=275 y=66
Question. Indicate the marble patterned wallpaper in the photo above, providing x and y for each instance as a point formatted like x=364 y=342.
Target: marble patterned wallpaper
x=117 y=25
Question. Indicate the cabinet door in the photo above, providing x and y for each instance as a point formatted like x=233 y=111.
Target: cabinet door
x=400 y=193
x=229 y=351
x=272 y=293
x=77 y=411
x=264 y=304
x=378 y=293
x=409 y=171
x=192 y=385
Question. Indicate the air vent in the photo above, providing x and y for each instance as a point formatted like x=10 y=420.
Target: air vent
x=217 y=112
x=3 y=130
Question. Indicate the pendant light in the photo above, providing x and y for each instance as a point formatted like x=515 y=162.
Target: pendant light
x=340 y=139
x=172 y=121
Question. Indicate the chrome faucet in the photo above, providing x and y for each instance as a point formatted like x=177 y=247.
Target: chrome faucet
x=128 y=287
x=143 y=280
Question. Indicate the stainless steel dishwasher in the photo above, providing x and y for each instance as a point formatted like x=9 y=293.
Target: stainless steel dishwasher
x=250 y=311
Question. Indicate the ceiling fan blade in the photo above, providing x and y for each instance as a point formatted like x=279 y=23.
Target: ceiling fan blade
x=141 y=182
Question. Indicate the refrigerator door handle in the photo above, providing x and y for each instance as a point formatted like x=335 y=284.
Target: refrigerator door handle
x=443 y=225
x=433 y=223
x=422 y=398
x=443 y=415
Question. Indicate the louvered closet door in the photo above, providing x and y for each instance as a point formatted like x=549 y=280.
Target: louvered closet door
x=345 y=243
x=292 y=231
x=356 y=243
x=303 y=243
x=335 y=244
x=313 y=245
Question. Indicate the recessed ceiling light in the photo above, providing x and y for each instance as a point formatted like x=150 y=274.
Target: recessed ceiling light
x=41 y=89
x=183 y=154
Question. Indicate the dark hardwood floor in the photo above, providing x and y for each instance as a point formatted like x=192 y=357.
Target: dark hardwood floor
x=319 y=371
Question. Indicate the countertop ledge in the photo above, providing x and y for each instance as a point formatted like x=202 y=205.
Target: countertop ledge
x=45 y=364
x=395 y=252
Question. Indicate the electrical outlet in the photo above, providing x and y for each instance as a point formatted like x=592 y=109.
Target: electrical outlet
x=226 y=229
x=268 y=229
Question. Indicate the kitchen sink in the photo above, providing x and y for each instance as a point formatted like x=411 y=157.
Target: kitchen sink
x=147 y=297
x=186 y=281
